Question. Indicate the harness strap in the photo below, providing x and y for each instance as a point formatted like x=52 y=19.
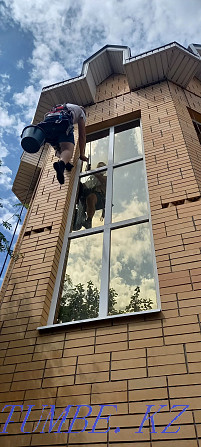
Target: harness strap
x=61 y=108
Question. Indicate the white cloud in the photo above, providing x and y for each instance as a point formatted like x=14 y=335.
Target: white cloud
x=27 y=101
x=5 y=76
x=5 y=87
x=66 y=33
x=20 y=64
x=5 y=177
x=3 y=151
x=6 y=120
x=28 y=97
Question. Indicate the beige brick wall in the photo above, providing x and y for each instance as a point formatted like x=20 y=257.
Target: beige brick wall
x=131 y=362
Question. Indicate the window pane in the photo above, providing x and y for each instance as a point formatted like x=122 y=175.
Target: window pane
x=132 y=284
x=129 y=193
x=98 y=152
x=127 y=144
x=90 y=207
x=80 y=296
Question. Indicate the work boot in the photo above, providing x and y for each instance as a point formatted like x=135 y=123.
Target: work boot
x=59 y=167
x=69 y=167
x=87 y=223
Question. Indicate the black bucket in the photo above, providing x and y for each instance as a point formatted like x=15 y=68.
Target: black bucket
x=33 y=138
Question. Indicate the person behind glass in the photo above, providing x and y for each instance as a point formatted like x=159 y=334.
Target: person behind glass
x=95 y=196
x=65 y=141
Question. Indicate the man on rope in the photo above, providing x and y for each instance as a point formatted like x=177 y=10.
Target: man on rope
x=58 y=124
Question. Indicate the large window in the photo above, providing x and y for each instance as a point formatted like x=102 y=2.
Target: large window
x=110 y=258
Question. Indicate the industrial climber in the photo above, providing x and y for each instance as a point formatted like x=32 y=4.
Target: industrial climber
x=57 y=129
x=62 y=119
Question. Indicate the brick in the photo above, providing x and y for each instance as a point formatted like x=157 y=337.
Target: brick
x=126 y=364
x=190 y=310
x=182 y=288
x=74 y=400
x=149 y=333
x=12 y=396
x=5 y=377
x=26 y=384
x=20 y=343
x=188 y=433
x=129 y=354
x=4 y=415
x=61 y=362
x=111 y=347
x=92 y=367
x=19 y=351
x=123 y=374
x=109 y=387
x=3 y=353
x=167 y=370
x=28 y=375
x=194 y=367
x=78 y=351
x=41 y=393
x=30 y=366
x=193 y=402
x=85 y=437
x=157 y=341
x=185 y=391
x=61 y=371
x=92 y=377
x=94 y=358
x=179 y=321
x=47 y=355
x=46 y=338
x=194 y=356
x=17 y=359
x=170 y=280
x=129 y=420
x=15 y=329
x=20 y=440
x=48 y=439
x=184 y=338
x=147 y=382
x=79 y=342
x=112 y=330
x=16 y=322
x=74 y=390
x=128 y=444
x=172 y=359
x=184 y=379
x=114 y=338
x=164 y=418
x=105 y=398
x=165 y=350
x=148 y=394
x=55 y=381
x=190 y=302
x=197 y=415
x=80 y=334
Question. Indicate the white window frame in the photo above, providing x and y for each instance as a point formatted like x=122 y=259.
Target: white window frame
x=106 y=230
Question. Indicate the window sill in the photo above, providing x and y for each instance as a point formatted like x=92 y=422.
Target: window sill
x=95 y=320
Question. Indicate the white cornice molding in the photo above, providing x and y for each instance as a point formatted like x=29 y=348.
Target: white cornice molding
x=172 y=62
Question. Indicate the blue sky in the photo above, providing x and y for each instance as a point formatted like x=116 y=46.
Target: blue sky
x=43 y=42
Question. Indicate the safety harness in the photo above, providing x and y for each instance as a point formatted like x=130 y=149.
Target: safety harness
x=62 y=111
x=58 y=119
